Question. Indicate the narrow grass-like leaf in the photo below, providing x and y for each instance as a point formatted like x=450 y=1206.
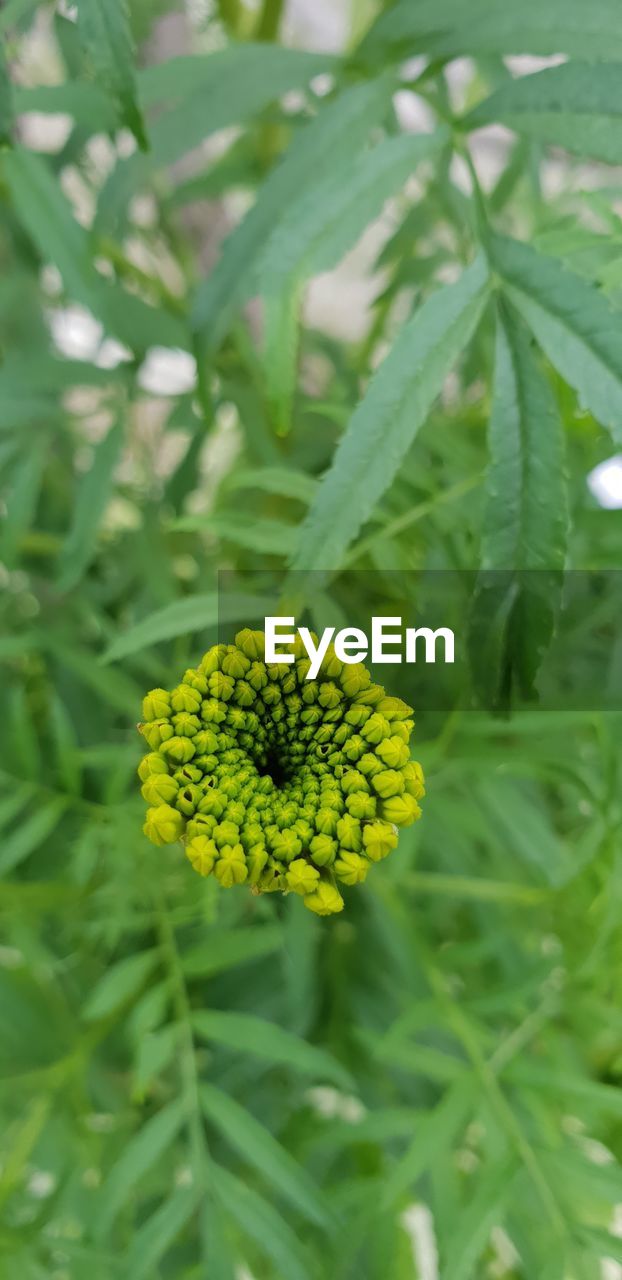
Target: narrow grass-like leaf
x=433 y=1134
x=574 y=323
x=282 y=481
x=119 y=983
x=260 y=1221
x=246 y=1033
x=472 y=1228
x=141 y=1153
x=92 y=498
x=224 y=949
x=256 y=533
x=386 y=422
x=29 y=835
x=195 y=613
x=338 y=131
x=258 y=1147
x=159 y=1232
x=282 y=302
x=570 y=106
x=105 y=29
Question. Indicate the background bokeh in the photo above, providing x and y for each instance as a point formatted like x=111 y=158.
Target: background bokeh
x=200 y=1083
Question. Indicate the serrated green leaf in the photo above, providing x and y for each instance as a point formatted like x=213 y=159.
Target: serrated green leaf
x=223 y=950
x=386 y=422
x=86 y=103
x=23 y=496
x=325 y=222
x=282 y=481
x=571 y=106
x=195 y=613
x=258 y=1147
x=525 y=523
x=281 y=309
x=122 y=981
x=147 y=1146
x=260 y=1221
x=448 y=28
x=222 y=89
x=105 y=28
x=91 y=501
x=266 y=1040
x=576 y=326
x=338 y=131
x=159 y=1232
x=256 y=533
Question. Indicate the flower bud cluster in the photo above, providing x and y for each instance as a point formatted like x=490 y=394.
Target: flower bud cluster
x=274 y=780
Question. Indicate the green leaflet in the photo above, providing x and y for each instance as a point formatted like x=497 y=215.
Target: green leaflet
x=121 y=982
x=571 y=106
x=143 y=1150
x=433 y=1134
x=261 y=1222
x=318 y=228
x=221 y=89
x=525 y=523
x=313 y=234
x=159 y=1232
x=194 y=613
x=92 y=498
x=472 y=1228
x=576 y=327
x=449 y=28
x=339 y=130
x=48 y=219
x=105 y=29
x=526 y=513
x=6 y=100
x=29 y=834
x=224 y=949
x=258 y=1147
x=386 y=421
x=263 y=1039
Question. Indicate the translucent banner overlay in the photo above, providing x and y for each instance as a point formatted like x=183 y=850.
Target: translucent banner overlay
x=537 y=639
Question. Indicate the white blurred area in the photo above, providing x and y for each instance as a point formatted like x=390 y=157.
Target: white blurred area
x=605 y=483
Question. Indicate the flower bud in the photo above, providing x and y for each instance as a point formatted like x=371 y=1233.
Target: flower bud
x=323 y=850
x=150 y=764
x=181 y=750
x=160 y=788
x=188 y=799
x=388 y=783
x=185 y=698
x=156 y=705
x=402 y=810
x=156 y=732
x=361 y=806
x=375 y=729
x=379 y=838
x=393 y=752
x=326 y=900
x=413 y=779
x=164 y=825
x=202 y=853
x=349 y=832
x=350 y=867
x=252 y=643
x=231 y=866
x=301 y=877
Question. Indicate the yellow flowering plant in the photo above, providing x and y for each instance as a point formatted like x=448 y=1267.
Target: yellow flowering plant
x=274 y=780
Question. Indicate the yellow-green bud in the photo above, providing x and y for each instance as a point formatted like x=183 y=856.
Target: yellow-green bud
x=150 y=764
x=156 y=732
x=388 y=783
x=351 y=867
x=181 y=750
x=402 y=810
x=301 y=877
x=323 y=850
x=156 y=705
x=159 y=788
x=185 y=698
x=231 y=867
x=326 y=900
x=379 y=838
x=202 y=853
x=164 y=825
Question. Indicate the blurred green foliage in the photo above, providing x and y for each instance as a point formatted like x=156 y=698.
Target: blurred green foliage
x=196 y=1083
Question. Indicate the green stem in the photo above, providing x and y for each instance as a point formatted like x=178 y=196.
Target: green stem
x=269 y=20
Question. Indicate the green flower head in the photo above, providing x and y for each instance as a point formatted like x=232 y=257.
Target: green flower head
x=275 y=781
